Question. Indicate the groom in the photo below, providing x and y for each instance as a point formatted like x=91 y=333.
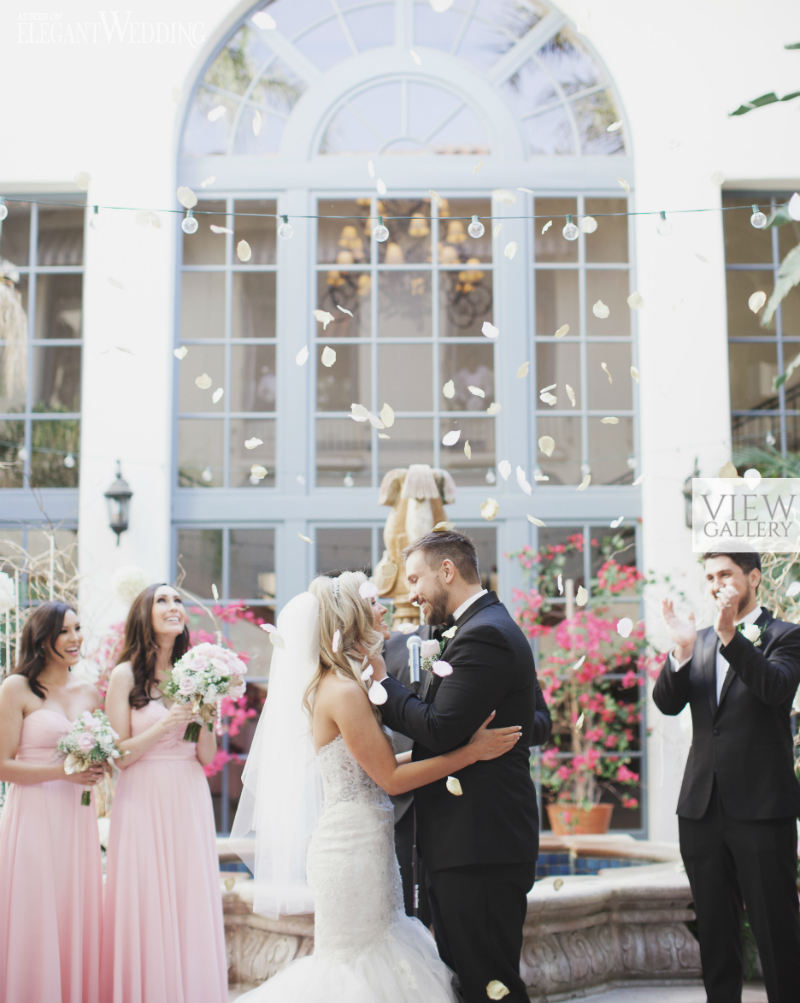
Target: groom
x=480 y=845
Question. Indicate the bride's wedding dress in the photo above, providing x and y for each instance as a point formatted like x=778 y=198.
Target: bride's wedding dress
x=366 y=950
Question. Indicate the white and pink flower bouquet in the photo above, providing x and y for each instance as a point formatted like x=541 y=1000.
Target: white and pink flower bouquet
x=90 y=741
x=202 y=677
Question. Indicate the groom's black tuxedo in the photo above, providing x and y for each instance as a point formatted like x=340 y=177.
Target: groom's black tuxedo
x=738 y=802
x=488 y=837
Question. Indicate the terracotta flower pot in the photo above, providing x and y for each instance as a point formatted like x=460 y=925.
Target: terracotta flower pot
x=570 y=820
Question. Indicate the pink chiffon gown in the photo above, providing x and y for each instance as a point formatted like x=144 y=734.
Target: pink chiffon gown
x=163 y=939
x=51 y=886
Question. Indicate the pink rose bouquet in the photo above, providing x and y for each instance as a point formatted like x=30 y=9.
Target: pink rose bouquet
x=202 y=677
x=90 y=740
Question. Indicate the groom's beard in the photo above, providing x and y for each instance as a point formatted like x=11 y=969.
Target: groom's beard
x=438 y=607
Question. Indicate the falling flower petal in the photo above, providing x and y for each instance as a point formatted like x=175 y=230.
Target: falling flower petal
x=181 y=353
x=415 y=56
x=344 y=310
x=497 y=990
x=601 y=310
x=588 y=224
x=467 y=449
x=302 y=356
x=323 y=317
x=219 y=229
x=203 y=381
x=377 y=694
x=387 y=416
x=253 y=443
x=614 y=127
x=564 y=329
x=243 y=251
x=443 y=527
x=375 y=421
x=489 y=509
x=546 y=397
x=757 y=300
x=477 y=391
x=617 y=522
x=535 y=521
x=367 y=672
x=794 y=206
x=570 y=394
x=624 y=185
x=752 y=478
x=187 y=197
x=584 y=484
x=451 y=438
x=304 y=538
x=523 y=370
x=442 y=668
x=490 y=331
x=609 y=420
x=581 y=719
x=560 y=584
x=580 y=661
x=261 y=19
x=624 y=626
x=453 y=786
x=328 y=356
x=217 y=112
x=635 y=301
x=358 y=412
x=214 y=591
x=368 y=590
x=449 y=390
x=504 y=469
x=605 y=369
x=581 y=596
x=634 y=373
x=558 y=884
x=638 y=481
x=380 y=186
x=510 y=249
x=383 y=435
x=547 y=444
x=793 y=589
x=258 y=472
x=493 y=408
x=336 y=641
x=371 y=168
x=437 y=198
x=547 y=226
x=257 y=123
x=523 y=481
x=440 y=6
x=216 y=397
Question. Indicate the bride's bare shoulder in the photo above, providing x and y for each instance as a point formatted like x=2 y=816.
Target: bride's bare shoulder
x=333 y=687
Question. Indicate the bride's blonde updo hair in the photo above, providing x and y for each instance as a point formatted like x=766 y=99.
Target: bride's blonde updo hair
x=343 y=609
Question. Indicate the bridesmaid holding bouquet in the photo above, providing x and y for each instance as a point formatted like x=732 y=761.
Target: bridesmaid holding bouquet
x=50 y=878
x=163 y=940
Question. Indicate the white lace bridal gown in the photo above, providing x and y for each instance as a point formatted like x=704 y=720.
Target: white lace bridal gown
x=366 y=950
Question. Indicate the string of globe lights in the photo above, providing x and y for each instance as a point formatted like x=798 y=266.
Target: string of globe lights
x=572 y=228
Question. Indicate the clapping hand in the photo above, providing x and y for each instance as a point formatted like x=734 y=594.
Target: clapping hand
x=682 y=631
x=727 y=605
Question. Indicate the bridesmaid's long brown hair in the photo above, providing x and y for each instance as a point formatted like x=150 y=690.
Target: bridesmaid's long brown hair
x=140 y=647
x=37 y=643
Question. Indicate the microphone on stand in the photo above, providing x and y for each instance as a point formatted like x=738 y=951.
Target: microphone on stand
x=414 y=645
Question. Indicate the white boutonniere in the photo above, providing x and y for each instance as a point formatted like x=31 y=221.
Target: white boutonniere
x=430 y=655
x=753 y=633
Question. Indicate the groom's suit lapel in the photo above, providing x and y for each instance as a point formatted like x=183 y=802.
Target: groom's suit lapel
x=763 y=622
x=708 y=664
x=485 y=600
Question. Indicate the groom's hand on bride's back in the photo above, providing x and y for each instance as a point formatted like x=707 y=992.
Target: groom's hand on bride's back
x=491 y=743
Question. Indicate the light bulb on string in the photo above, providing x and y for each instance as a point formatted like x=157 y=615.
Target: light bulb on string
x=570 y=231
x=381 y=231
x=348 y=480
x=94 y=222
x=476 y=229
x=3 y=210
x=189 y=224
x=285 y=229
x=663 y=225
x=758 y=219
x=69 y=461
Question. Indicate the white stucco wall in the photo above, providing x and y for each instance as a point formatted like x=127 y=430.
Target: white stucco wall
x=77 y=100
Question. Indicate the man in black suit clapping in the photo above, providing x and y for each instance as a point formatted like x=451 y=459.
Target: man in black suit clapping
x=480 y=845
x=740 y=799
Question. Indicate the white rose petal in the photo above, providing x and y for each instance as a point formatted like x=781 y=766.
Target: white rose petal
x=336 y=641
x=451 y=438
x=387 y=416
x=757 y=300
x=606 y=370
x=253 y=442
x=489 y=509
x=187 y=197
x=328 y=356
x=442 y=668
x=584 y=484
x=624 y=626
x=490 y=331
x=497 y=990
x=377 y=693
x=504 y=469
x=323 y=317
x=476 y=391
x=634 y=374
x=510 y=249
x=547 y=444
x=635 y=300
x=203 y=381
x=366 y=673
x=243 y=251
x=368 y=590
x=793 y=589
x=493 y=408
x=523 y=370
x=453 y=786
x=609 y=420
x=564 y=329
x=181 y=353
x=752 y=478
x=449 y=390
x=794 y=206
x=570 y=394
x=302 y=356
x=216 y=397
x=467 y=449
x=535 y=521
x=601 y=310
x=523 y=481
x=581 y=597
x=588 y=224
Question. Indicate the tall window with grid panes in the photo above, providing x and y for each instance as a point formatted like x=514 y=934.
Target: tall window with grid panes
x=41 y=337
x=328 y=116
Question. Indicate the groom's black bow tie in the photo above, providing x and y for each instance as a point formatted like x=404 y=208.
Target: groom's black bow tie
x=439 y=629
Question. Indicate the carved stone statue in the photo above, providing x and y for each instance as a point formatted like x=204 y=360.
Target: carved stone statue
x=417 y=496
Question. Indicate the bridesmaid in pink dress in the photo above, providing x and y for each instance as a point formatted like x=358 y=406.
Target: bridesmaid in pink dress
x=163 y=940
x=50 y=872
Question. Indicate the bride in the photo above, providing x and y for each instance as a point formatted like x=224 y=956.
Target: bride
x=322 y=766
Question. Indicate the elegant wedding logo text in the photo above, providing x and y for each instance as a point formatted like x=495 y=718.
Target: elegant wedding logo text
x=732 y=514
x=111 y=27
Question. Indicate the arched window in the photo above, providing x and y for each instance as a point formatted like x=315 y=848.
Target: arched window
x=329 y=115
